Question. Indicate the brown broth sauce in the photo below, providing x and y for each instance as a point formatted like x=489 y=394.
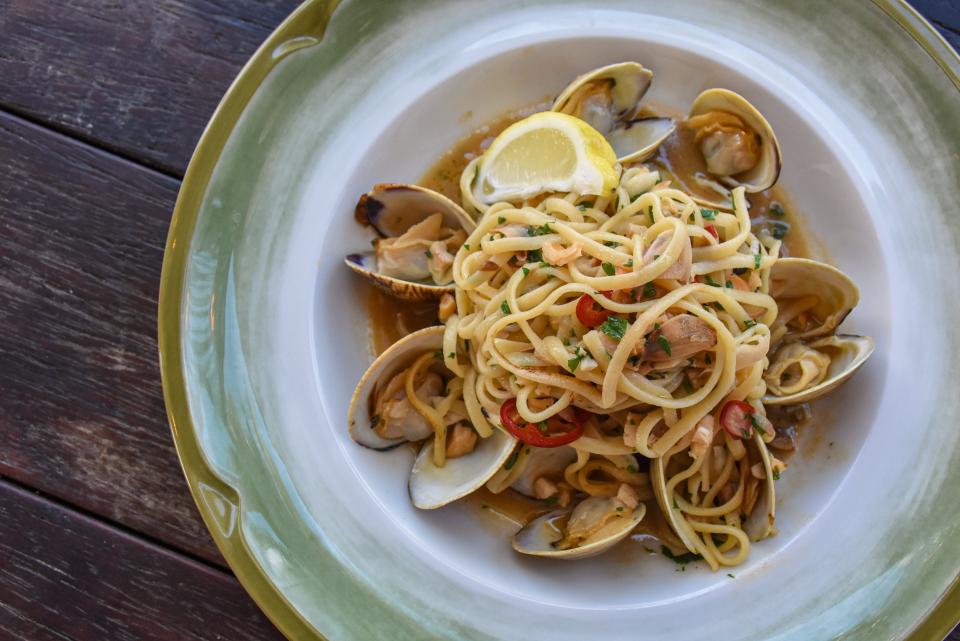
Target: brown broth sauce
x=391 y=319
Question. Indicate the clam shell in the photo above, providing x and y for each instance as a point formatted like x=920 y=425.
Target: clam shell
x=636 y=140
x=837 y=295
x=632 y=139
x=391 y=209
x=365 y=264
x=394 y=360
x=432 y=487
x=766 y=172
x=848 y=352
x=537 y=537
x=676 y=522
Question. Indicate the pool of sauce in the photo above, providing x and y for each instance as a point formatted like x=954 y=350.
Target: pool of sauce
x=391 y=319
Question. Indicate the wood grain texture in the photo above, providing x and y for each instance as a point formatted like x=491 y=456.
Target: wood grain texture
x=64 y=576
x=139 y=77
x=81 y=408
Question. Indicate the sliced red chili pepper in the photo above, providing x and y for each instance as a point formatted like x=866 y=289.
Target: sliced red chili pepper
x=554 y=432
x=735 y=418
x=713 y=231
x=591 y=313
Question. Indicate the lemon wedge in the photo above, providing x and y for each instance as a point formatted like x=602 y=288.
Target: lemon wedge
x=546 y=152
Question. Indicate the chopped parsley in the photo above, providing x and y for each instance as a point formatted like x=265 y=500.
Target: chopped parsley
x=687 y=385
x=776 y=475
x=776 y=209
x=534 y=256
x=438 y=354
x=466 y=246
x=505 y=307
x=650 y=213
x=614 y=327
x=649 y=290
x=779 y=230
x=712 y=282
x=731 y=576
x=709 y=214
x=665 y=344
x=629 y=263
x=608 y=269
x=756 y=261
x=634 y=360
x=755 y=423
x=550 y=500
x=619 y=508
x=542 y=230
x=574 y=363
x=452 y=355
x=526 y=271
x=512 y=460
x=729 y=284
x=676 y=506
x=428 y=254
x=501 y=220
x=611 y=243
x=747 y=324
x=542 y=425
x=633 y=469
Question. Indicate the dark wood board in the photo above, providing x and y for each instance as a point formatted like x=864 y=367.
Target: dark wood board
x=81 y=407
x=139 y=77
x=66 y=576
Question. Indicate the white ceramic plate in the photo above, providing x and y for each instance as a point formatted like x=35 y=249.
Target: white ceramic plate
x=266 y=332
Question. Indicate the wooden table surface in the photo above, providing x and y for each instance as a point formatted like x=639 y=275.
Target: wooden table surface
x=101 y=104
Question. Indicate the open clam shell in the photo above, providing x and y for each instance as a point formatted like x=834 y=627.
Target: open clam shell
x=674 y=518
x=608 y=99
x=361 y=415
x=846 y=353
x=391 y=209
x=540 y=536
x=801 y=285
x=432 y=487
x=766 y=171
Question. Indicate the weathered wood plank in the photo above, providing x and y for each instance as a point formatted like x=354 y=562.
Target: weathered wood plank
x=140 y=77
x=66 y=576
x=81 y=408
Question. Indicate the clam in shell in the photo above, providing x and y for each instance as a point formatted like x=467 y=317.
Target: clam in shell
x=800 y=372
x=737 y=143
x=608 y=99
x=545 y=535
x=411 y=221
x=813 y=298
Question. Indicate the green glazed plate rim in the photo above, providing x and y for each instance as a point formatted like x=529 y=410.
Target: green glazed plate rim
x=310 y=20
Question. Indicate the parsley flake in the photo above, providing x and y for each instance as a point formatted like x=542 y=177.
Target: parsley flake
x=526 y=271
x=428 y=254
x=649 y=290
x=665 y=344
x=501 y=220
x=756 y=261
x=608 y=269
x=776 y=475
x=709 y=214
x=505 y=307
x=747 y=324
x=614 y=327
x=756 y=423
x=512 y=460
x=776 y=209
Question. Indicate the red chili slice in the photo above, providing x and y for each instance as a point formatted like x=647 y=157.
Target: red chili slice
x=735 y=418
x=713 y=231
x=555 y=433
x=591 y=313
